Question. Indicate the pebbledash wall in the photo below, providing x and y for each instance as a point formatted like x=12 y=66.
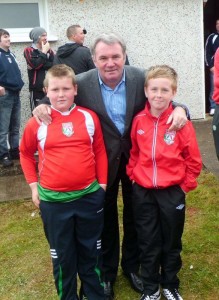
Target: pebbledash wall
x=156 y=32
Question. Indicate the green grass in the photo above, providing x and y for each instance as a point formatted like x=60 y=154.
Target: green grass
x=25 y=266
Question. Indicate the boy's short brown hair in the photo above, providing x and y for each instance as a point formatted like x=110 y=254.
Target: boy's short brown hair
x=162 y=71
x=3 y=32
x=59 y=71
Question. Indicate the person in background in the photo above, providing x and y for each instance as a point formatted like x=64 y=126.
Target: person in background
x=163 y=167
x=39 y=58
x=115 y=91
x=11 y=84
x=215 y=122
x=211 y=46
x=71 y=188
x=73 y=53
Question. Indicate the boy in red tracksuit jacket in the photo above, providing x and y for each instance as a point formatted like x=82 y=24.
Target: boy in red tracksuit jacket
x=163 y=166
x=71 y=187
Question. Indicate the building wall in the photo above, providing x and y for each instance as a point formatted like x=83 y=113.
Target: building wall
x=156 y=32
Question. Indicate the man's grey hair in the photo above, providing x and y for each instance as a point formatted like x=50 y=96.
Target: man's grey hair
x=109 y=39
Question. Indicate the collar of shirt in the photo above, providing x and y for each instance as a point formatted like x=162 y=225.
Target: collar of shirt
x=115 y=102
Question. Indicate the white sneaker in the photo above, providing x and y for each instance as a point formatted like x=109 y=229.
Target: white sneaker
x=155 y=296
x=211 y=113
x=172 y=294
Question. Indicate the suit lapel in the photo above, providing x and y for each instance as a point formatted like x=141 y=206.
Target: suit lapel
x=130 y=82
x=96 y=97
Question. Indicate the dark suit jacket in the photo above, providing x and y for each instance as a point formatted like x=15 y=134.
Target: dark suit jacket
x=89 y=95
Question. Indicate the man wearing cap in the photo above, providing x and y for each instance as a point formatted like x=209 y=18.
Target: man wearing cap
x=73 y=53
x=39 y=57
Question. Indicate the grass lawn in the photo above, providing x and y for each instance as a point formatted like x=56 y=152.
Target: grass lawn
x=26 y=272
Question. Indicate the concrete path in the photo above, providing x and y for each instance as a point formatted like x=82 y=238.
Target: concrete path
x=206 y=144
x=14 y=188
x=13 y=185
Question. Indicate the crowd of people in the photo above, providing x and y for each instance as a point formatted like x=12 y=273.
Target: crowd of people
x=111 y=126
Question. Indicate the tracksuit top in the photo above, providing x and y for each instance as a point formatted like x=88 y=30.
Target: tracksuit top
x=71 y=151
x=211 y=46
x=160 y=158
x=10 y=75
x=38 y=63
x=216 y=78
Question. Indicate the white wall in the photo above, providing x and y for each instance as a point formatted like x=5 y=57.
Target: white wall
x=161 y=31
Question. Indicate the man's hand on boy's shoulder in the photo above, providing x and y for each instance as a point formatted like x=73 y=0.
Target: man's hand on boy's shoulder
x=42 y=113
x=177 y=119
x=2 y=91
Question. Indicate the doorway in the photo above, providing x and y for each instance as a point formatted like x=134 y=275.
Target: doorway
x=211 y=14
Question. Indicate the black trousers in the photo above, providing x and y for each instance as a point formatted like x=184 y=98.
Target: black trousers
x=35 y=97
x=73 y=230
x=110 y=237
x=215 y=129
x=159 y=218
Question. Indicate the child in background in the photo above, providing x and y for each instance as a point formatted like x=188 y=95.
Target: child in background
x=71 y=188
x=163 y=166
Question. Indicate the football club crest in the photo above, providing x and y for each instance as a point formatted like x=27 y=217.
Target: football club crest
x=67 y=129
x=169 y=137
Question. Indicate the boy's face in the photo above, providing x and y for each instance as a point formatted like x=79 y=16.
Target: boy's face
x=61 y=92
x=5 y=42
x=159 y=92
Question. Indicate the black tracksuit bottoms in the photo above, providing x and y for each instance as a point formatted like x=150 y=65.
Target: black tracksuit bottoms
x=35 y=97
x=159 y=218
x=73 y=230
x=215 y=129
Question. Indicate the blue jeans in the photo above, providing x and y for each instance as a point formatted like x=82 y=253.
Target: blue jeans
x=211 y=101
x=10 y=116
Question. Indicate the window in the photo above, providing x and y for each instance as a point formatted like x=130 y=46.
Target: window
x=19 y=17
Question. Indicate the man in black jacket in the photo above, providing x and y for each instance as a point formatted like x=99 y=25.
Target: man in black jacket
x=73 y=53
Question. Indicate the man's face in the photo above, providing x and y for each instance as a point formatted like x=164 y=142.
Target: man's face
x=5 y=42
x=110 y=61
x=79 y=36
x=61 y=92
x=43 y=39
x=217 y=26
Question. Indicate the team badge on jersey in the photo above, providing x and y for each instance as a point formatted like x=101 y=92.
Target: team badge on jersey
x=67 y=129
x=169 y=137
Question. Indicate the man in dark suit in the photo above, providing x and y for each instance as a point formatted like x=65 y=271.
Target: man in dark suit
x=116 y=93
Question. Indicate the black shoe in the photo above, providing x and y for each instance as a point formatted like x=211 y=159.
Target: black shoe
x=14 y=153
x=5 y=161
x=108 y=290
x=136 y=282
